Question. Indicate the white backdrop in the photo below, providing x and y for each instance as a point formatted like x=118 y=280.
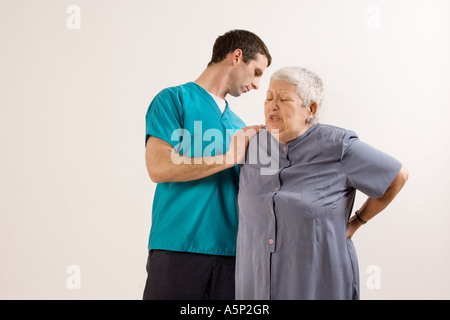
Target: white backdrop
x=76 y=78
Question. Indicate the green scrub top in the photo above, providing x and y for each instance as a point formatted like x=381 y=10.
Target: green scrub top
x=199 y=216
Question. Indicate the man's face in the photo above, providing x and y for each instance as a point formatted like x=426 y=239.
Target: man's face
x=247 y=76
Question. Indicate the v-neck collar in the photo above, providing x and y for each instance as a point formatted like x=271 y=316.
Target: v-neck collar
x=205 y=95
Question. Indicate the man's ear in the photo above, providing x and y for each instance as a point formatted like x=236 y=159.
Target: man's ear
x=236 y=55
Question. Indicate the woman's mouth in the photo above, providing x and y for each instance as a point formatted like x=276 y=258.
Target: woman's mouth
x=273 y=118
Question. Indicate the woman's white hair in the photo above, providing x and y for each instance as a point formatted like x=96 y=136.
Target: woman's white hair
x=309 y=85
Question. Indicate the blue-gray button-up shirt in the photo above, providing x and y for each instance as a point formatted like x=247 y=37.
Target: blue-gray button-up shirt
x=294 y=204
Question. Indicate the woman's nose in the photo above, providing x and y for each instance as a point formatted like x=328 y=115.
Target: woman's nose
x=273 y=105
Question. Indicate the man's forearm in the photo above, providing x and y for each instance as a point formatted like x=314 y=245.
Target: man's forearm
x=165 y=165
x=183 y=168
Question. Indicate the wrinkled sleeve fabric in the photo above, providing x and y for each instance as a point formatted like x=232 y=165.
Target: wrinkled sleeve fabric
x=368 y=169
x=164 y=117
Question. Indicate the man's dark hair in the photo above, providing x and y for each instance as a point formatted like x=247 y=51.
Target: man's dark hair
x=248 y=42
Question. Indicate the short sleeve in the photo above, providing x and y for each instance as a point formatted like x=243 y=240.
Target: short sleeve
x=164 y=116
x=368 y=170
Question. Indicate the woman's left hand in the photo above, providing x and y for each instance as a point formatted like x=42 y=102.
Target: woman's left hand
x=372 y=207
x=352 y=225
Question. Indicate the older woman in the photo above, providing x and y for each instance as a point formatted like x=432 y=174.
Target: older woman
x=294 y=239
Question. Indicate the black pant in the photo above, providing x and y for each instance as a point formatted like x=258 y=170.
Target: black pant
x=175 y=275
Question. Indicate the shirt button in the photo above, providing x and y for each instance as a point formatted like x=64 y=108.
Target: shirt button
x=271 y=212
x=270 y=241
x=284 y=149
x=275 y=189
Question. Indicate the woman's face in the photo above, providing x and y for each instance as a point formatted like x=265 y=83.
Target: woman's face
x=284 y=111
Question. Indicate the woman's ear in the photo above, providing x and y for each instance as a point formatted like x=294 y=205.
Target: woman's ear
x=313 y=107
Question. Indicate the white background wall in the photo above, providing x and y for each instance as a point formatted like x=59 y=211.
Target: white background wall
x=73 y=185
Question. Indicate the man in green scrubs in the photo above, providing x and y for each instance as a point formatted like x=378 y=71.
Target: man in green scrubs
x=191 y=153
